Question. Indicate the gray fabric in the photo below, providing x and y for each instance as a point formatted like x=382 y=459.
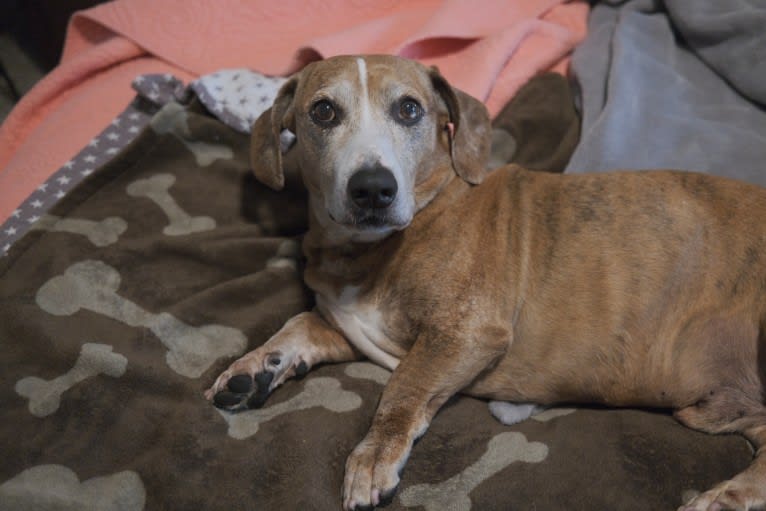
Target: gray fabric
x=650 y=101
x=730 y=36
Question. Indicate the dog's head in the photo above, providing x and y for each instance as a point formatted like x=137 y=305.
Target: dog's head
x=376 y=138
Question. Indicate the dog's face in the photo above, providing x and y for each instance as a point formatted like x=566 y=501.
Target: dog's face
x=363 y=133
x=376 y=138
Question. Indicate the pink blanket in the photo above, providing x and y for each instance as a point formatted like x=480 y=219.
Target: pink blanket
x=487 y=48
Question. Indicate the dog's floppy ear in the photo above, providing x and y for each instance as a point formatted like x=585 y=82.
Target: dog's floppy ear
x=265 y=146
x=469 y=130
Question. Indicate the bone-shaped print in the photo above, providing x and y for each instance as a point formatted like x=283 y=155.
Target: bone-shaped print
x=173 y=119
x=101 y=234
x=552 y=413
x=57 y=488
x=321 y=391
x=45 y=395
x=156 y=188
x=368 y=371
x=453 y=494
x=512 y=413
x=92 y=285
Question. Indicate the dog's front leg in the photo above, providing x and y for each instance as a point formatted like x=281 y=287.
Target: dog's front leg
x=304 y=341
x=427 y=377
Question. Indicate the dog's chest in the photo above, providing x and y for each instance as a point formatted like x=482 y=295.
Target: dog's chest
x=363 y=325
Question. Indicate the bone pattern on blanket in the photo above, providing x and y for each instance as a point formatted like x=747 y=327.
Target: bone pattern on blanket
x=101 y=233
x=552 y=413
x=324 y=392
x=45 y=395
x=172 y=119
x=57 y=488
x=156 y=189
x=93 y=285
x=368 y=371
x=513 y=413
x=502 y=450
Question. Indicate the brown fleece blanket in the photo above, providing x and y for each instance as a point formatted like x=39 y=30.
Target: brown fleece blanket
x=166 y=263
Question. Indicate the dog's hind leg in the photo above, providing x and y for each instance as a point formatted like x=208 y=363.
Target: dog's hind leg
x=731 y=410
x=305 y=341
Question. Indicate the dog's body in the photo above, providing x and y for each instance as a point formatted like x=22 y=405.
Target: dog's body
x=628 y=289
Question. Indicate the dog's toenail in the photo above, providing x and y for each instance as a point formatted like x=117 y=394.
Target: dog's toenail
x=225 y=399
x=302 y=369
x=240 y=383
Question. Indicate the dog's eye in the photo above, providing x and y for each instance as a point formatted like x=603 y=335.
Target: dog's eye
x=323 y=113
x=410 y=111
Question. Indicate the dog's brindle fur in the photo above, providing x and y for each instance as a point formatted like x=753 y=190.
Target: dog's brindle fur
x=627 y=289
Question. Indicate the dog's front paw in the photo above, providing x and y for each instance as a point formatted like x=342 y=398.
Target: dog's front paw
x=731 y=495
x=372 y=475
x=249 y=381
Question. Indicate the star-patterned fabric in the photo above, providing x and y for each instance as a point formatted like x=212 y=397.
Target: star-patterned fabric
x=237 y=96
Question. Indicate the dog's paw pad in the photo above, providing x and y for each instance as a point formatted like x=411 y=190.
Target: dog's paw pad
x=240 y=383
x=226 y=399
x=243 y=392
x=258 y=397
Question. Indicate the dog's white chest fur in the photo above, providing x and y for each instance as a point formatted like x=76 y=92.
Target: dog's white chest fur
x=362 y=324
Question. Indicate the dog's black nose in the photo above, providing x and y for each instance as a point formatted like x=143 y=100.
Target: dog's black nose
x=373 y=187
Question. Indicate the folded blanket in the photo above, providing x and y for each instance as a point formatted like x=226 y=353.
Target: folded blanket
x=488 y=51
x=673 y=89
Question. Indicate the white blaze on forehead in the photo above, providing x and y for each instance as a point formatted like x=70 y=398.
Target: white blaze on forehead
x=372 y=141
x=366 y=122
x=362 y=65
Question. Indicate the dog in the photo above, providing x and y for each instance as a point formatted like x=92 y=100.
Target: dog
x=623 y=289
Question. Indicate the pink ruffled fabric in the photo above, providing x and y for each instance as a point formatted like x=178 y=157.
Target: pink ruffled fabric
x=488 y=49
